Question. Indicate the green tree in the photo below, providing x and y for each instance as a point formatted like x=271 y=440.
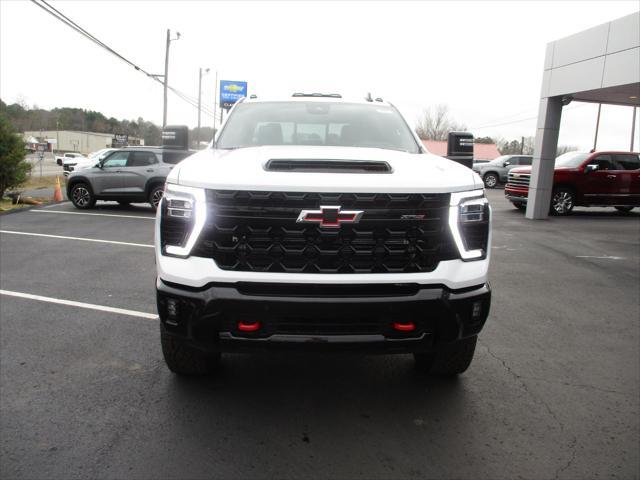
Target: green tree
x=487 y=140
x=13 y=167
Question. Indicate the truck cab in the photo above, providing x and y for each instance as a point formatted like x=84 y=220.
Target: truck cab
x=589 y=179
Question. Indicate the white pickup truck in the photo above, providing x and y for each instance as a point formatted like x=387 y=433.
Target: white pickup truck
x=69 y=156
x=319 y=223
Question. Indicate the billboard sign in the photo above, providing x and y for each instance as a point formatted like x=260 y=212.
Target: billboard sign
x=231 y=92
x=120 y=140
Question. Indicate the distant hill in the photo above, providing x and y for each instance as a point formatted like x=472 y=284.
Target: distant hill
x=24 y=118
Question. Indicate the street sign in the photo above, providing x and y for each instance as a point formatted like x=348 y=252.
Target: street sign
x=231 y=92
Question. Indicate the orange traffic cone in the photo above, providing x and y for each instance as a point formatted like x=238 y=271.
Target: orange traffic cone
x=57 y=193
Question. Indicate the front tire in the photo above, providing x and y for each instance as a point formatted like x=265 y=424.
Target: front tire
x=490 y=180
x=624 y=208
x=521 y=206
x=155 y=196
x=562 y=201
x=82 y=196
x=453 y=359
x=183 y=359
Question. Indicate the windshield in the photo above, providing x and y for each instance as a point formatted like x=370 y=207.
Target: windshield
x=571 y=159
x=316 y=123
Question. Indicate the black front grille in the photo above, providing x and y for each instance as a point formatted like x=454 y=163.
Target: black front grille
x=258 y=232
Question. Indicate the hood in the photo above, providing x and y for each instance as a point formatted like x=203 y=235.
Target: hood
x=528 y=169
x=520 y=170
x=244 y=169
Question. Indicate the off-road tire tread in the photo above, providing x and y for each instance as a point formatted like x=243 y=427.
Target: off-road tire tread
x=624 y=208
x=451 y=360
x=185 y=360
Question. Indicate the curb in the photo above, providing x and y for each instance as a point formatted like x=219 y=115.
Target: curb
x=30 y=207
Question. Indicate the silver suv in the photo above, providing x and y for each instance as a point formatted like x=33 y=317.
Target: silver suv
x=497 y=170
x=134 y=174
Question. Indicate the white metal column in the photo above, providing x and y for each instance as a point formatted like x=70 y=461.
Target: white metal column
x=544 y=156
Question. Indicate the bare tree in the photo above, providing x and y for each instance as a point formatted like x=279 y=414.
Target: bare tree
x=436 y=123
x=564 y=149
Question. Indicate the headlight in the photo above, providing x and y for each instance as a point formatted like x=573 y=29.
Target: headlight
x=183 y=215
x=469 y=221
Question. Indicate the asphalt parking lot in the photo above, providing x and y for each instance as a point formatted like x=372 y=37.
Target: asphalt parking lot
x=553 y=391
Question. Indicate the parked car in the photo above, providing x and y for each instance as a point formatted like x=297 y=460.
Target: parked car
x=67 y=156
x=84 y=163
x=586 y=179
x=126 y=175
x=496 y=171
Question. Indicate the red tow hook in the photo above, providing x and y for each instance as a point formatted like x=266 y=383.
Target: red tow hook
x=248 y=327
x=404 y=327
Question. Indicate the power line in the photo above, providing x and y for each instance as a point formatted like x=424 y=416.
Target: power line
x=522 y=119
x=72 y=24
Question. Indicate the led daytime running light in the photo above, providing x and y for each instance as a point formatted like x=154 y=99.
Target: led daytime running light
x=185 y=202
x=459 y=211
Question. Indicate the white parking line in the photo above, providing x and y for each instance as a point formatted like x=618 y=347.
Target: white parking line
x=56 y=205
x=71 y=303
x=602 y=257
x=93 y=214
x=61 y=237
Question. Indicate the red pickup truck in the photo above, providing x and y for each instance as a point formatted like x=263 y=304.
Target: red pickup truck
x=588 y=179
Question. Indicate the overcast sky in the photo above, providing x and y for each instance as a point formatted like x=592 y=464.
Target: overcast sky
x=483 y=59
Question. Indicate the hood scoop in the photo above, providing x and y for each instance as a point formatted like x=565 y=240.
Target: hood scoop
x=327 y=166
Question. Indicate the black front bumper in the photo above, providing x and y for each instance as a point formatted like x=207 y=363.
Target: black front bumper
x=321 y=317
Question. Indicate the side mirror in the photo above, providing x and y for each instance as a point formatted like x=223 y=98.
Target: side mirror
x=506 y=163
x=592 y=167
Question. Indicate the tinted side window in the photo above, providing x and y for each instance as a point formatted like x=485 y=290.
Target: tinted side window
x=116 y=159
x=141 y=159
x=525 y=160
x=604 y=162
x=628 y=162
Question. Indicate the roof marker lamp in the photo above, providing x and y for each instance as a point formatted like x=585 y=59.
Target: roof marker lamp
x=190 y=205
x=465 y=209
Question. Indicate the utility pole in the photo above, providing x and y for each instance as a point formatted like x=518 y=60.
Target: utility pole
x=215 y=102
x=199 y=105
x=522 y=146
x=595 y=139
x=633 y=129
x=166 y=78
x=166 y=74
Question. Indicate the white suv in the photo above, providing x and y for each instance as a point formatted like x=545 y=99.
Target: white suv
x=315 y=222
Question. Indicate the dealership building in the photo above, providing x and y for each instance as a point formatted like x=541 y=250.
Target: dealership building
x=599 y=65
x=74 y=141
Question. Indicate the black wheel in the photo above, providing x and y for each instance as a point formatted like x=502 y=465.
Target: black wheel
x=490 y=180
x=155 y=195
x=562 y=201
x=451 y=360
x=521 y=206
x=624 y=208
x=82 y=196
x=183 y=359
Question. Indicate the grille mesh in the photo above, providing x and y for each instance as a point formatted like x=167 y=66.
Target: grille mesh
x=257 y=231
